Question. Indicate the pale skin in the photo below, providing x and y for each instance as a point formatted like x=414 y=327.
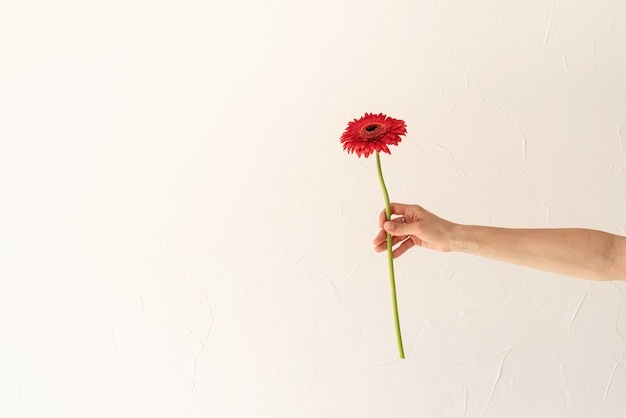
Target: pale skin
x=576 y=252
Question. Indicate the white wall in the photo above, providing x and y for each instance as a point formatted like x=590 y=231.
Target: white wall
x=182 y=235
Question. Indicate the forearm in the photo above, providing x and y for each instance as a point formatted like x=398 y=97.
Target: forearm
x=582 y=253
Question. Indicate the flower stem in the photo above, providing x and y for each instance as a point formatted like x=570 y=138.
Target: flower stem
x=390 y=258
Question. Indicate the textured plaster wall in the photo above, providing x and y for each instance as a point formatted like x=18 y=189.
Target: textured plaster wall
x=181 y=234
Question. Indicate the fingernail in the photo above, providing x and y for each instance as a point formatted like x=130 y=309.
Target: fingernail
x=390 y=226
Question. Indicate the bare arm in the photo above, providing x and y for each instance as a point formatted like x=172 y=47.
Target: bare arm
x=583 y=253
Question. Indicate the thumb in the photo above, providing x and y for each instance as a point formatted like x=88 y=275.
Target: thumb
x=395 y=228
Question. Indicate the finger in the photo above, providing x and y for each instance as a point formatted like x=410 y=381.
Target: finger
x=380 y=238
x=396 y=228
x=406 y=211
x=399 y=208
x=381 y=245
x=380 y=242
x=382 y=218
x=382 y=234
x=406 y=245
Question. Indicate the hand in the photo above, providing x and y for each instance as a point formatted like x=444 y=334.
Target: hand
x=422 y=229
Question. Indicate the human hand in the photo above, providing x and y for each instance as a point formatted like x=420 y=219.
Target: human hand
x=419 y=228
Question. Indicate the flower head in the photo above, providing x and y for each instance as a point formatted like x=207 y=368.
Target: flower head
x=372 y=133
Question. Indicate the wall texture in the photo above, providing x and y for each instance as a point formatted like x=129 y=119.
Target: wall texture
x=181 y=234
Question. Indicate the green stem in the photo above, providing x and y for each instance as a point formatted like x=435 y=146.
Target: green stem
x=390 y=258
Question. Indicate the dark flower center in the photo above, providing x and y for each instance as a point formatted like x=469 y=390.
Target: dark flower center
x=373 y=131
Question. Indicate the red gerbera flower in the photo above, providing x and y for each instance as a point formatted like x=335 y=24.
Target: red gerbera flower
x=364 y=136
x=372 y=133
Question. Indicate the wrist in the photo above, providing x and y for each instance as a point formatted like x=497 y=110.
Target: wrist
x=461 y=238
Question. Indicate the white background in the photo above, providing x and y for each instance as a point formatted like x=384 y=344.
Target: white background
x=182 y=235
